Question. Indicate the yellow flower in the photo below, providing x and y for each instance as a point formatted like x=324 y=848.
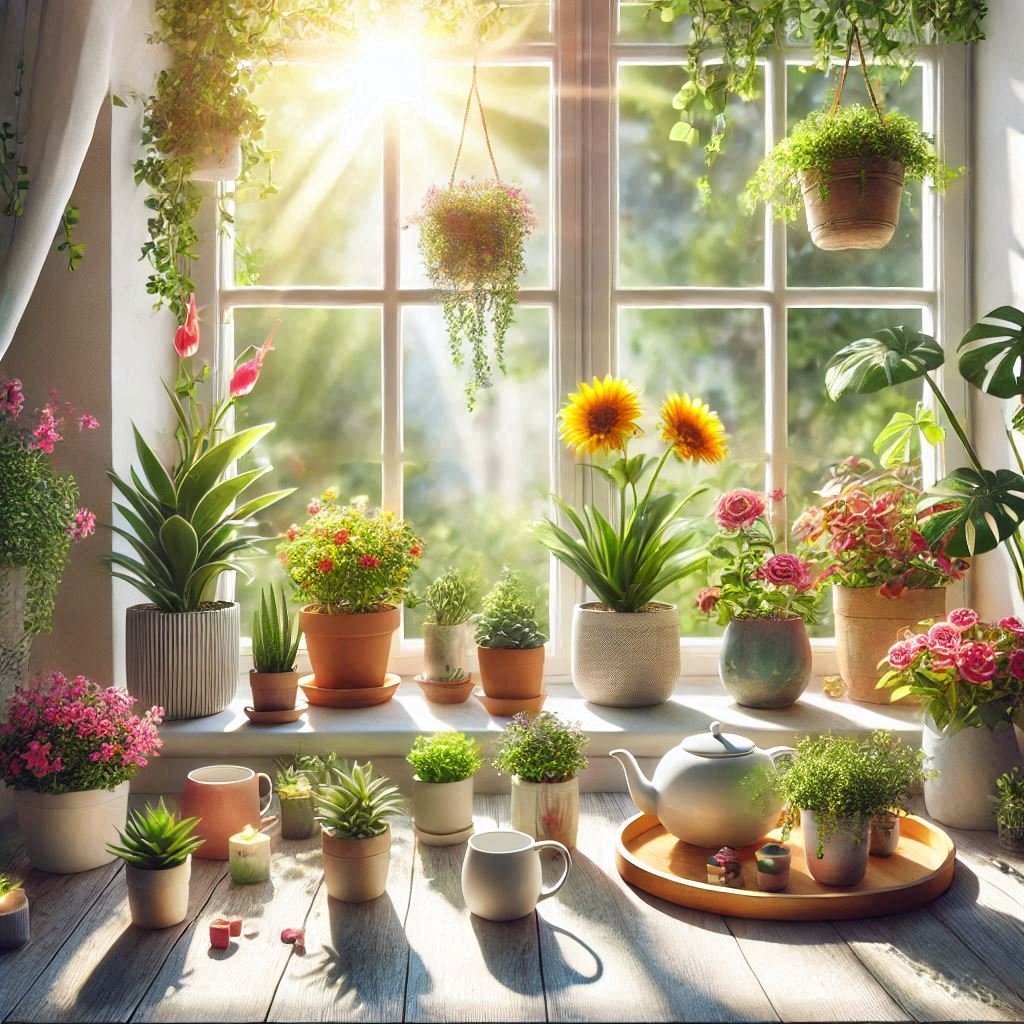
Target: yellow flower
x=601 y=417
x=694 y=431
x=331 y=494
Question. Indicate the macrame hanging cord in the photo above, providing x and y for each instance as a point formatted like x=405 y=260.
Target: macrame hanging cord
x=854 y=40
x=474 y=90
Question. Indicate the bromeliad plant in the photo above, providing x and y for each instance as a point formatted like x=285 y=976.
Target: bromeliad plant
x=509 y=617
x=445 y=757
x=627 y=564
x=542 y=748
x=275 y=635
x=356 y=804
x=157 y=839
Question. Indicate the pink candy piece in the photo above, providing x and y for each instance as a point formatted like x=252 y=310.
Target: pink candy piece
x=220 y=933
x=296 y=936
x=235 y=924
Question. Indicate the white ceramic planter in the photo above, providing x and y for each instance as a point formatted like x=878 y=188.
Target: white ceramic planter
x=15 y=644
x=547 y=810
x=845 y=860
x=969 y=762
x=158 y=899
x=356 y=870
x=221 y=159
x=69 y=832
x=441 y=809
x=444 y=649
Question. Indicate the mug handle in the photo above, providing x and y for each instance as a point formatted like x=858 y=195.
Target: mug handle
x=264 y=807
x=550 y=844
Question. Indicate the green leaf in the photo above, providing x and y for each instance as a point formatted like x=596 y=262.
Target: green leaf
x=163 y=487
x=992 y=353
x=985 y=509
x=181 y=546
x=198 y=583
x=206 y=472
x=683 y=131
x=117 y=101
x=891 y=356
x=214 y=505
x=895 y=441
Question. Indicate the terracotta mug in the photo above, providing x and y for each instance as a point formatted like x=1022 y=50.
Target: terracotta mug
x=226 y=798
x=501 y=876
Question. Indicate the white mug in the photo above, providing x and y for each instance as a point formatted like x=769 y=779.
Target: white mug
x=501 y=876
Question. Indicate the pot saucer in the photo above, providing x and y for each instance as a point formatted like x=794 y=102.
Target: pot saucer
x=355 y=697
x=276 y=717
x=451 y=839
x=438 y=692
x=506 y=708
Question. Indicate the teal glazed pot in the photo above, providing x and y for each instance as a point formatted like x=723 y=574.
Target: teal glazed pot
x=765 y=663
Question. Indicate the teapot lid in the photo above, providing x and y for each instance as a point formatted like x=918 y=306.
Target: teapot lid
x=715 y=743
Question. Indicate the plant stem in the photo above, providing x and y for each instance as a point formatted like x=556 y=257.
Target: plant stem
x=954 y=423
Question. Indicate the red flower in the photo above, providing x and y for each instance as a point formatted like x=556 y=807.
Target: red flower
x=415 y=551
x=325 y=566
x=293 y=532
x=739 y=509
x=341 y=537
x=369 y=562
x=244 y=378
x=892 y=589
x=785 y=571
x=901 y=654
x=962 y=618
x=976 y=662
x=707 y=599
x=186 y=337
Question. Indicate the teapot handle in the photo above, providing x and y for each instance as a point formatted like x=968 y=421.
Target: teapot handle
x=776 y=752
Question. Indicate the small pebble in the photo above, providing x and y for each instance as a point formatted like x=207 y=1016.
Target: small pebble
x=294 y=936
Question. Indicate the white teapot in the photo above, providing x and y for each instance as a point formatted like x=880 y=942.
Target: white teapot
x=700 y=791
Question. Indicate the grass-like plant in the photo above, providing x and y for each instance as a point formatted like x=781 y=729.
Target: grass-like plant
x=1009 y=800
x=356 y=804
x=450 y=599
x=7 y=885
x=509 y=617
x=275 y=635
x=445 y=757
x=157 y=839
x=541 y=749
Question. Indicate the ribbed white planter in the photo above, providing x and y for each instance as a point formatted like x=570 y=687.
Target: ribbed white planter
x=158 y=899
x=625 y=659
x=441 y=809
x=15 y=644
x=186 y=662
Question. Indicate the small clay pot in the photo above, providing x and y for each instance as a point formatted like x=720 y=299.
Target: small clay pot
x=844 y=859
x=885 y=835
x=443 y=691
x=349 y=651
x=511 y=673
x=356 y=870
x=273 y=691
x=158 y=899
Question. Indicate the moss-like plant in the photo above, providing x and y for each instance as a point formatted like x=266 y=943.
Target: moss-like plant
x=356 y=804
x=450 y=599
x=445 y=757
x=541 y=749
x=509 y=617
x=157 y=839
x=852 y=132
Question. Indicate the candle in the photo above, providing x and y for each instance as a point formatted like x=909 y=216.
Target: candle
x=14 y=924
x=249 y=856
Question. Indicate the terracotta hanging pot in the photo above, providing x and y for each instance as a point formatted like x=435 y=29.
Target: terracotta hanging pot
x=349 y=651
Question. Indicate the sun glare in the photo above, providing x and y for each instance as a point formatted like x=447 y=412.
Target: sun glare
x=389 y=66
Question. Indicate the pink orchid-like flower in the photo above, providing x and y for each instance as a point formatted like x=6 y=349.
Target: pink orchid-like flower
x=739 y=509
x=244 y=378
x=46 y=435
x=186 y=337
x=976 y=662
x=962 y=618
x=84 y=525
x=87 y=422
x=12 y=397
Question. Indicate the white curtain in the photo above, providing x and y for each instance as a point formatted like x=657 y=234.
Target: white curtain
x=64 y=48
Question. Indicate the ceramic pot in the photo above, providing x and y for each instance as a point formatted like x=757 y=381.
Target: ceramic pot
x=273 y=691
x=15 y=926
x=69 y=832
x=298 y=817
x=185 y=662
x=220 y=159
x=226 y=798
x=15 y=643
x=862 y=205
x=765 y=663
x=885 y=835
x=356 y=870
x=439 y=691
x=867 y=625
x=349 y=651
x=444 y=649
x=158 y=899
x=845 y=859
x=511 y=673
x=773 y=862
x=968 y=762
x=441 y=808
x=547 y=810
x=625 y=659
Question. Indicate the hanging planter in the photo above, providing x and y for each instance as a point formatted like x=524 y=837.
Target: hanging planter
x=472 y=237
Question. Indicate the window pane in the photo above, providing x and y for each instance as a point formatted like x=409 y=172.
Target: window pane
x=665 y=236
x=638 y=23
x=321 y=385
x=474 y=481
x=717 y=354
x=325 y=225
x=517 y=105
x=899 y=264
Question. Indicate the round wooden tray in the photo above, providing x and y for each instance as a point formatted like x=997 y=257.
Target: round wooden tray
x=921 y=868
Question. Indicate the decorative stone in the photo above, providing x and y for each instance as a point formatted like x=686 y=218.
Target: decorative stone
x=773 y=863
x=834 y=687
x=220 y=933
x=249 y=856
x=294 y=936
x=14 y=919
x=724 y=869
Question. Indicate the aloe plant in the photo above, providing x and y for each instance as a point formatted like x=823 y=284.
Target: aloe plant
x=157 y=839
x=356 y=804
x=275 y=635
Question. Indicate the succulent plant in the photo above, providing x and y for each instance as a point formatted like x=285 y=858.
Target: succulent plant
x=7 y=885
x=275 y=635
x=157 y=839
x=293 y=784
x=509 y=617
x=314 y=768
x=450 y=598
x=356 y=804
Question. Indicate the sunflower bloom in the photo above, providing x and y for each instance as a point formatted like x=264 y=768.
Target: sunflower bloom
x=692 y=429
x=601 y=416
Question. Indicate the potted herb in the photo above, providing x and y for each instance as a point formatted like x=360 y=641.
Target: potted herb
x=625 y=645
x=764 y=600
x=275 y=643
x=354 y=808
x=969 y=675
x=544 y=755
x=296 y=796
x=1010 y=810
x=352 y=565
x=903 y=771
x=68 y=751
x=157 y=849
x=510 y=644
x=442 y=787
x=450 y=600
x=15 y=928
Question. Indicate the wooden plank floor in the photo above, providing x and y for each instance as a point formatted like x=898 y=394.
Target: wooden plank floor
x=598 y=951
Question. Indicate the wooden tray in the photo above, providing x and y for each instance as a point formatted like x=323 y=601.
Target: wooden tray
x=921 y=868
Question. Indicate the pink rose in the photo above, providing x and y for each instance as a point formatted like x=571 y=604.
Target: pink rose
x=707 y=599
x=785 y=571
x=901 y=654
x=1013 y=624
x=943 y=639
x=976 y=662
x=739 y=509
x=1017 y=664
x=962 y=618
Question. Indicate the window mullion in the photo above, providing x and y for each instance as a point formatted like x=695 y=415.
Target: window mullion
x=391 y=343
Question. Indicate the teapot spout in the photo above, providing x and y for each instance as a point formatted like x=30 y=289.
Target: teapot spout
x=641 y=792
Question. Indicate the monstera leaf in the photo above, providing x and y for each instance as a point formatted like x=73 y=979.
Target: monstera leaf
x=981 y=507
x=992 y=353
x=891 y=356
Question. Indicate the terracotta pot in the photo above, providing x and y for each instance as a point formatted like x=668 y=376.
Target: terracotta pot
x=510 y=673
x=273 y=691
x=867 y=625
x=349 y=651
x=356 y=870
x=15 y=643
x=444 y=649
x=547 y=810
x=298 y=818
x=158 y=899
x=861 y=208
x=765 y=663
x=441 y=808
x=845 y=855
x=226 y=798
x=439 y=691
x=15 y=926
x=885 y=835
x=625 y=659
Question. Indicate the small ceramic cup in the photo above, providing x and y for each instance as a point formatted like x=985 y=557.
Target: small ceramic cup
x=773 y=863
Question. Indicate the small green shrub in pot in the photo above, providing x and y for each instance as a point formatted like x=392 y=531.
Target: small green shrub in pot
x=296 y=796
x=451 y=601
x=510 y=644
x=275 y=646
x=1010 y=810
x=444 y=765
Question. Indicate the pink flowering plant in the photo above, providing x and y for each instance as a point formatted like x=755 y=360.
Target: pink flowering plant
x=968 y=672
x=69 y=735
x=757 y=582
x=350 y=559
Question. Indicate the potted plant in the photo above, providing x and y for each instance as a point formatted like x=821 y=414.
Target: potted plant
x=68 y=751
x=904 y=772
x=182 y=524
x=297 y=798
x=544 y=755
x=450 y=600
x=625 y=645
x=1010 y=810
x=15 y=926
x=764 y=600
x=275 y=644
x=354 y=808
x=156 y=847
x=352 y=565
x=886 y=575
x=40 y=519
x=969 y=675
x=442 y=787
x=510 y=644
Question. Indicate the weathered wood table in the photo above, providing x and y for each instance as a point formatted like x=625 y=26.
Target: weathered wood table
x=598 y=951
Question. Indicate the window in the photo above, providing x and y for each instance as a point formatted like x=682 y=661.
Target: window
x=627 y=274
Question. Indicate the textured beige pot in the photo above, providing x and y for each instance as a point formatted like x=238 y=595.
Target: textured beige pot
x=158 y=899
x=441 y=808
x=867 y=625
x=547 y=810
x=356 y=870
x=444 y=649
x=625 y=659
